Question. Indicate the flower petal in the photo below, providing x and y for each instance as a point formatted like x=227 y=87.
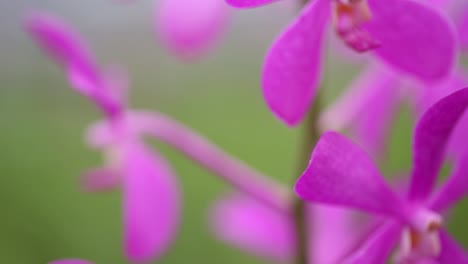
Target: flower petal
x=333 y=233
x=292 y=68
x=70 y=261
x=189 y=28
x=377 y=247
x=429 y=142
x=340 y=173
x=463 y=28
x=455 y=188
x=452 y=252
x=457 y=80
x=100 y=179
x=65 y=45
x=415 y=38
x=151 y=205
x=249 y=3
x=254 y=227
x=367 y=107
x=373 y=125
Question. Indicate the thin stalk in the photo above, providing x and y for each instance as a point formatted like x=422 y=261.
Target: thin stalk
x=310 y=136
x=211 y=157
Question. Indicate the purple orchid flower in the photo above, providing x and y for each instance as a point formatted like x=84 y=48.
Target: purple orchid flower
x=71 y=261
x=258 y=229
x=188 y=28
x=341 y=174
x=151 y=194
x=292 y=71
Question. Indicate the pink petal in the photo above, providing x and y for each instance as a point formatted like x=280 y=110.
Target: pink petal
x=463 y=28
x=292 y=69
x=452 y=252
x=373 y=125
x=100 y=179
x=367 y=107
x=455 y=188
x=333 y=232
x=415 y=38
x=151 y=205
x=431 y=95
x=430 y=140
x=458 y=144
x=189 y=27
x=65 y=45
x=377 y=248
x=340 y=173
x=249 y=3
x=70 y=261
x=254 y=227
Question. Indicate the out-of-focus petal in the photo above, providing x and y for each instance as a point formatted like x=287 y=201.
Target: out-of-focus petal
x=190 y=27
x=367 y=107
x=249 y=3
x=457 y=81
x=65 y=45
x=71 y=261
x=340 y=173
x=373 y=124
x=151 y=204
x=415 y=38
x=292 y=69
x=463 y=28
x=100 y=179
x=455 y=188
x=452 y=252
x=377 y=247
x=333 y=232
x=430 y=139
x=254 y=227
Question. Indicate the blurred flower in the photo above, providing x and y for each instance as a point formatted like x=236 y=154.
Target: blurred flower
x=188 y=28
x=341 y=174
x=292 y=70
x=264 y=232
x=70 y=261
x=151 y=195
x=370 y=103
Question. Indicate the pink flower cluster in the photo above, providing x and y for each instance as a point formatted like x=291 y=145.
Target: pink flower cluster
x=413 y=48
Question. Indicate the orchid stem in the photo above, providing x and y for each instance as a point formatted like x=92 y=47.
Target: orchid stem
x=214 y=159
x=311 y=134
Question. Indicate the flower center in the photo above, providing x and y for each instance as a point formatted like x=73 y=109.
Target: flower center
x=421 y=240
x=348 y=18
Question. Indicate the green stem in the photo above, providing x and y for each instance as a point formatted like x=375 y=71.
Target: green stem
x=311 y=134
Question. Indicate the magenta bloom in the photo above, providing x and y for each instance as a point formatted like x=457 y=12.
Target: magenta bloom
x=70 y=261
x=340 y=173
x=410 y=36
x=188 y=28
x=151 y=194
x=267 y=233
